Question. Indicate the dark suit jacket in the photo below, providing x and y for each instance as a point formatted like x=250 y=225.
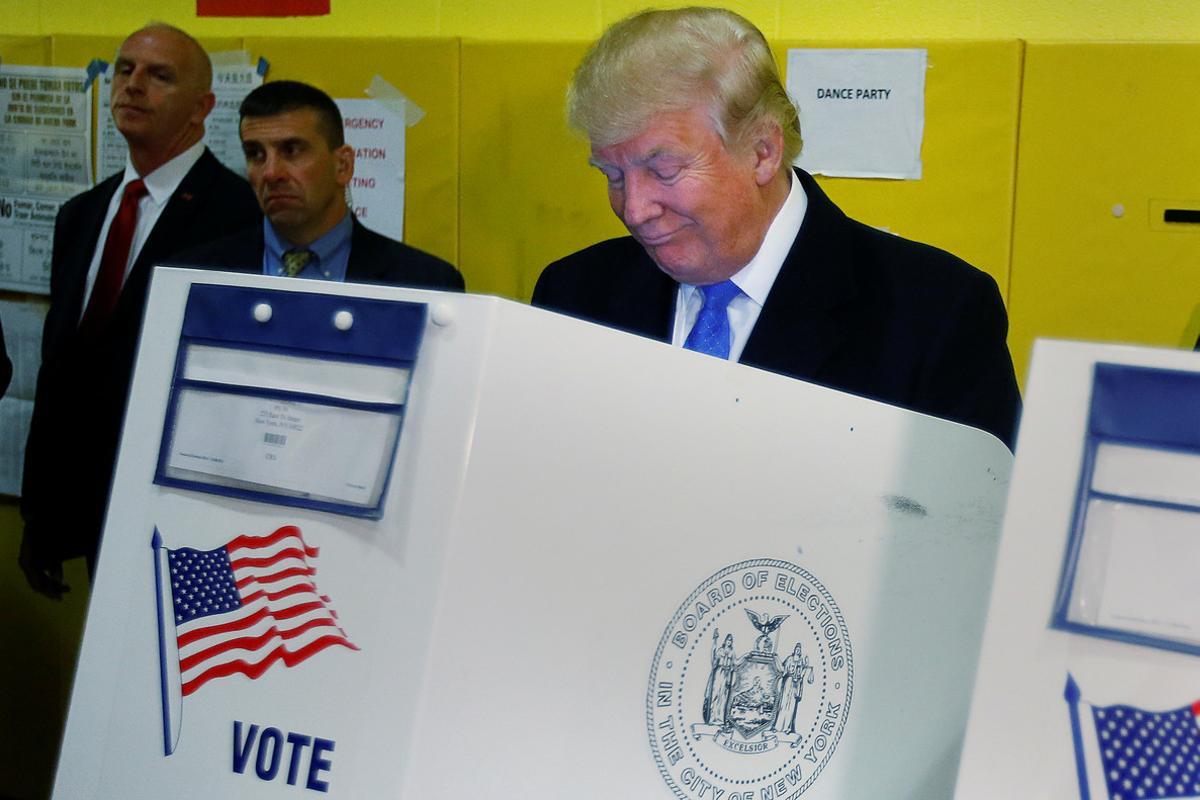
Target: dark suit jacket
x=373 y=259
x=83 y=381
x=853 y=308
x=5 y=365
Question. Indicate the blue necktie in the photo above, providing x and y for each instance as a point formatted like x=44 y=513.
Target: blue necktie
x=711 y=333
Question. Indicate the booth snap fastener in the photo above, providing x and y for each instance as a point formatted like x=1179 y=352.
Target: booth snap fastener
x=262 y=312
x=343 y=320
x=442 y=315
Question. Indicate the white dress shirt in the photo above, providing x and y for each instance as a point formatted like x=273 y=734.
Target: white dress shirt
x=755 y=279
x=160 y=185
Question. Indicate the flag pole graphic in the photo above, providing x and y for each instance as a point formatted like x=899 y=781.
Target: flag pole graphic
x=168 y=739
x=237 y=609
x=1071 y=695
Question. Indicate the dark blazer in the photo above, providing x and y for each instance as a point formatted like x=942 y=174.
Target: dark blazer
x=853 y=308
x=373 y=259
x=5 y=364
x=83 y=381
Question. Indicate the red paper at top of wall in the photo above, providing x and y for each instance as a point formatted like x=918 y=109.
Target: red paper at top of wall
x=262 y=8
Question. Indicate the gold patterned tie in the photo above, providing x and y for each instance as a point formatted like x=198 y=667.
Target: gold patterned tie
x=295 y=260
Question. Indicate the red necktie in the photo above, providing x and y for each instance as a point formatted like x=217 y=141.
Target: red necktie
x=111 y=274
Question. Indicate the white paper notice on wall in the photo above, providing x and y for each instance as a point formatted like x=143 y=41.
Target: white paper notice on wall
x=862 y=112
x=376 y=132
x=45 y=158
x=23 y=323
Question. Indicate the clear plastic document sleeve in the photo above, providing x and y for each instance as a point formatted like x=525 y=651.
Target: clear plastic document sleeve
x=289 y=397
x=1129 y=571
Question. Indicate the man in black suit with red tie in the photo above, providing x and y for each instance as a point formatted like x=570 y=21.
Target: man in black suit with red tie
x=172 y=195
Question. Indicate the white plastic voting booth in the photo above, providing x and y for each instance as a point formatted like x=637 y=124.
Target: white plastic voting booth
x=383 y=543
x=1088 y=683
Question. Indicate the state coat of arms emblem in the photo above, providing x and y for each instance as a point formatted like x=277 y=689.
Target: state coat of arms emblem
x=751 y=684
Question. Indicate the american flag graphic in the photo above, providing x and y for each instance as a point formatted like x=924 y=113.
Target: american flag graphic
x=1128 y=753
x=244 y=607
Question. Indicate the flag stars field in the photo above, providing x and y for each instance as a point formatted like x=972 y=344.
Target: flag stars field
x=1149 y=755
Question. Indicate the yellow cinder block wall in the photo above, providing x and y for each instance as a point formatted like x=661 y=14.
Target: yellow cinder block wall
x=1072 y=20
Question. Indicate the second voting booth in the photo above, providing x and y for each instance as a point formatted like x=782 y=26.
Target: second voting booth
x=1087 y=684
x=377 y=542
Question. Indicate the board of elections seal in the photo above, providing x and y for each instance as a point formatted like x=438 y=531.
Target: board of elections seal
x=750 y=687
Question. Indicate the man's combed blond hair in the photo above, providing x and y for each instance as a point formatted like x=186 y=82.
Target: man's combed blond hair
x=656 y=61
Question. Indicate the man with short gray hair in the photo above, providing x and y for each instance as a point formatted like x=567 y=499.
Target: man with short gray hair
x=734 y=253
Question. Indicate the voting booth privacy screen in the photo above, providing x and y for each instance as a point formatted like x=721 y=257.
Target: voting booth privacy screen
x=597 y=564
x=1087 y=684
